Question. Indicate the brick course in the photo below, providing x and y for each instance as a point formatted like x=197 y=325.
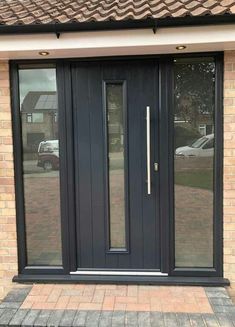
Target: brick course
x=8 y=246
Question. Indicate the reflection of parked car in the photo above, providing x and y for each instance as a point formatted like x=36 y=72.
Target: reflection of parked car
x=48 y=154
x=202 y=147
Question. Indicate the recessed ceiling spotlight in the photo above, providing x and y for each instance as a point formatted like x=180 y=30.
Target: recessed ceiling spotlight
x=44 y=53
x=180 y=47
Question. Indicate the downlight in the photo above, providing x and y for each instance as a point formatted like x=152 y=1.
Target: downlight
x=181 y=47
x=44 y=53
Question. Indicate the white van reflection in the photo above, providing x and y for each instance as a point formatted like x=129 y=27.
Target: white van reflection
x=202 y=147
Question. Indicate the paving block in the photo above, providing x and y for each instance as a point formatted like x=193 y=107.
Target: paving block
x=144 y=319
x=17 y=295
x=183 y=319
x=68 y=318
x=18 y=318
x=214 y=289
x=221 y=301
x=218 y=294
x=157 y=319
x=196 y=320
x=55 y=318
x=106 y=319
x=210 y=320
x=223 y=309
x=92 y=319
x=80 y=319
x=118 y=318
x=170 y=319
x=6 y=316
x=42 y=318
x=30 y=318
x=224 y=320
x=1 y=311
x=131 y=318
x=10 y=305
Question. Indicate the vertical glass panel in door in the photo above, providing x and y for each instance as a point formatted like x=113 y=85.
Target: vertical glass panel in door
x=194 y=161
x=41 y=177
x=116 y=164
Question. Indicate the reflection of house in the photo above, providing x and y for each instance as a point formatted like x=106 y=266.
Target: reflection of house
x=39 y=119
x=187 y=131
x=204 y=125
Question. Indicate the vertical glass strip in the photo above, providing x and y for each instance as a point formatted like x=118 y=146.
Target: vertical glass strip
x=116 y=164
x=41 y=175
x=194 y=108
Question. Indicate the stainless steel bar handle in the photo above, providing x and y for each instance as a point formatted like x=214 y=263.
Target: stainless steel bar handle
x=148 y=132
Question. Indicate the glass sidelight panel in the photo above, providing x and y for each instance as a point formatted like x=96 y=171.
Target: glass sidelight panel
x=41 y=177
x=194 y=81
x=116 y=164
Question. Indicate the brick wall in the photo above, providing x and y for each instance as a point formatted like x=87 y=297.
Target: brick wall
x=8 y=248
x=229 y=166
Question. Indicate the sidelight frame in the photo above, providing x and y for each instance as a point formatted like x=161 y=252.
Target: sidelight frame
x=217 y=269
x=166 y=162
x=23 y=268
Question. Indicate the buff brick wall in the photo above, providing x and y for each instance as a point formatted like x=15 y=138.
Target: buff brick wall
x=229 y=166
x=8 y=248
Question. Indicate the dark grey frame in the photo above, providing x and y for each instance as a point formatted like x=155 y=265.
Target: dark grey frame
x=21 y=232
x=166 y=177
x=217 y=270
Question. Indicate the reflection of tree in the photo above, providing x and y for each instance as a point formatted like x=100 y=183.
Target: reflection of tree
x=115 y=116
x=194 y=91
x=114 y=94
x=185 y=136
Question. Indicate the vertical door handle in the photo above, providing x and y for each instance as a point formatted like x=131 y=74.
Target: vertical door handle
x=148 y=152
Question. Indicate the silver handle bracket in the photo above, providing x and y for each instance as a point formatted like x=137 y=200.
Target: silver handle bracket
x=156 y=166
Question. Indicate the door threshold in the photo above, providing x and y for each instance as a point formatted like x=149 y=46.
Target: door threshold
x=134 y=280
x=117 y=273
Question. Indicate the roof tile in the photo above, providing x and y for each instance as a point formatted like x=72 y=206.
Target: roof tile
x=232 y=9
x=210 y=3
x=192 y=5
x=200 y=11
x=227 y=3
x=218 y=10
x=175 y=5
x=180 y=13
x=14 y=12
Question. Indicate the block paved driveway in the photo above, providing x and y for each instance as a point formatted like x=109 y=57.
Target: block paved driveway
x=117 y=305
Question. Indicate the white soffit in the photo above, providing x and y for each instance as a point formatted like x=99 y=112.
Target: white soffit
x=118 y=42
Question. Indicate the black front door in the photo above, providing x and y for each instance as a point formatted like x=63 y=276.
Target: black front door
x=116 y=173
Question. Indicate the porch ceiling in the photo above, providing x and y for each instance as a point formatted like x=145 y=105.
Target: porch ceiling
x=119 y=42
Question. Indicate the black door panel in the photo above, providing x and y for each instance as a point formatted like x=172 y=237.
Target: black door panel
x=94 y=140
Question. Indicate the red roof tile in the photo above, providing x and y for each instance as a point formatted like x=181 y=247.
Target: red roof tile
x=15 y=12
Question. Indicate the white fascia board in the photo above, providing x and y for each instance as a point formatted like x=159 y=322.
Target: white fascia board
x=119 y=42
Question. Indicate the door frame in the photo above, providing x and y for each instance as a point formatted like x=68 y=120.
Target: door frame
x=64 y=88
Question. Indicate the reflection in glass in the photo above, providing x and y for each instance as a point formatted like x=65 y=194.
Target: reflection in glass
x=38 y=107
x=194 y=161
x=115 y=122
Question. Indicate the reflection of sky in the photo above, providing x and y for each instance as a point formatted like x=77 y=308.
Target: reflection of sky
x=36 y=80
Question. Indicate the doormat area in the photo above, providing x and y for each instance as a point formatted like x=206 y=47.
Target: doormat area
x=118 y=297
x=116 y=305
